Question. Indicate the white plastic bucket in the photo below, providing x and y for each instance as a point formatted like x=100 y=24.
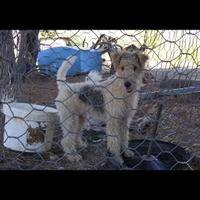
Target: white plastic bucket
x=28 y=127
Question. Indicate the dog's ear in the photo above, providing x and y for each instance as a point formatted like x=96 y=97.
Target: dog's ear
x=131 y=48
x=115 y=59
x=141 y=59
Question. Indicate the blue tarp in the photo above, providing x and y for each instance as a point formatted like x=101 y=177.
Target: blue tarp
x=50 y=60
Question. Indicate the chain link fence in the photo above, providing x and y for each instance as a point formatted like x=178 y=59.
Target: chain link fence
x=30 y=132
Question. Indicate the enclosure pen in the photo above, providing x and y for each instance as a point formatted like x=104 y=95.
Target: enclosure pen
x=31 y=132
x=150 y=161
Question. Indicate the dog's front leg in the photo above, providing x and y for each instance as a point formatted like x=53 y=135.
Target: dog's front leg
x=124 y=144
x=125 y=138
x=113 y=130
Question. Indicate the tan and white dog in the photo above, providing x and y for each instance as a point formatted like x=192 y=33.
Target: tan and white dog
x=114 y=100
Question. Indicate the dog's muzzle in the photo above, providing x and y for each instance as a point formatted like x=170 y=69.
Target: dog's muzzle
x=128 y=86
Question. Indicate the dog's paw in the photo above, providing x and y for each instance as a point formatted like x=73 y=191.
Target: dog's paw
x=128 y=153
x=73 y=158
x=119 y=160
x=116 y=158
x=81 y=144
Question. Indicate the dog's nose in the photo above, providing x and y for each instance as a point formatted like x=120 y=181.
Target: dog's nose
x=127 y=84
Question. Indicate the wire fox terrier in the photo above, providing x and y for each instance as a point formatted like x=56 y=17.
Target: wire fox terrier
x=114 y=100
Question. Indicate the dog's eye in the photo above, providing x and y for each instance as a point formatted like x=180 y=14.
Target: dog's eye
x=134 y=68
x=122 y=68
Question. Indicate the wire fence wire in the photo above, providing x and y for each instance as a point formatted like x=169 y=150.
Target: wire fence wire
x=30 y=131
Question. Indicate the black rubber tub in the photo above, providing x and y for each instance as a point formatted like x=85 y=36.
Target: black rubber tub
x=171 y=157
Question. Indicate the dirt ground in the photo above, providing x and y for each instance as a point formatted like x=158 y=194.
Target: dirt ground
x=180 y=125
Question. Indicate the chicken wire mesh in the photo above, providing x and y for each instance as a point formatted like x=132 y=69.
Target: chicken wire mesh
x=28 y=76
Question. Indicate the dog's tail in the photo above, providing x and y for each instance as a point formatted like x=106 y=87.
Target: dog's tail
x=64 y=69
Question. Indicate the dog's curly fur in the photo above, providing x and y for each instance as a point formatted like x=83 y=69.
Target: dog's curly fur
x=114 y=100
